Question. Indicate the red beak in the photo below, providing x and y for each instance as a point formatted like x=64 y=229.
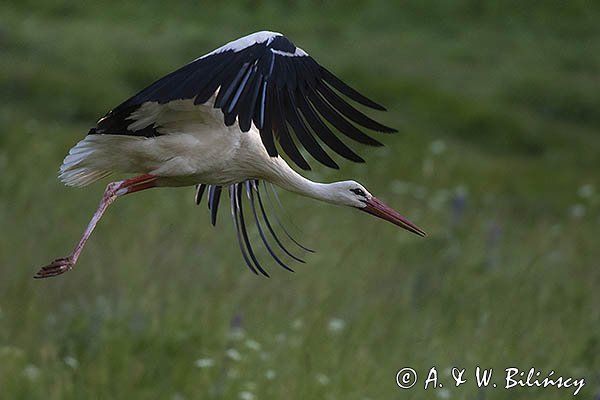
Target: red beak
x=377 y=208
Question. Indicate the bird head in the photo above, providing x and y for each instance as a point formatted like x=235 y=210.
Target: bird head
x=353 y=194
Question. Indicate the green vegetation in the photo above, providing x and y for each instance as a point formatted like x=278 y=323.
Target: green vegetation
x=498 y=106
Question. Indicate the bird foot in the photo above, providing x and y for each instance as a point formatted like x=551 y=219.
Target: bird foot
x=56 y=267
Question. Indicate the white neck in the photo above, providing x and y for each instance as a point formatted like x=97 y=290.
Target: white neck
x=282 y=175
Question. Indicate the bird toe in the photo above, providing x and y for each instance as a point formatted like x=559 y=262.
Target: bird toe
x=56 y=267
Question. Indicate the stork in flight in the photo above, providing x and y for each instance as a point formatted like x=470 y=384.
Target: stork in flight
x=215 y=122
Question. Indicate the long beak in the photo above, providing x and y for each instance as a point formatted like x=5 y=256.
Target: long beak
x=377 y=208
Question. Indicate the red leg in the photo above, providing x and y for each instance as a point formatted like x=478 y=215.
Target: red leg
x=113 y=190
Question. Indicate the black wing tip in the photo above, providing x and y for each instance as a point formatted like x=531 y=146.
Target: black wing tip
x=349 y=91
x=387 y=129
x=374 y=143
x=376 y=106
x=263 y=273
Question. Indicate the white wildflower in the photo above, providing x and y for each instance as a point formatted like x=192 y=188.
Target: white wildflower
x=253 y=345
x=280 y=337
x=270 y=374
x=437 y=147
x=336 y=325
x=322 y=379
x=204 y=363
x=577 y=210
x=246 y=395
x=233 y=354
x=71 y=362
x=586 y=191
x=31 y=372
x=443 y=393
x=297 y=323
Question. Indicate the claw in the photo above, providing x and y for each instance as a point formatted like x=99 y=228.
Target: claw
x=56 y=267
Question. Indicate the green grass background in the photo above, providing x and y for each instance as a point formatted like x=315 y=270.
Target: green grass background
x=498 y=158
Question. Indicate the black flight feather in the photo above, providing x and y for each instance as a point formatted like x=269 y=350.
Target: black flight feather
x=302 y=133
x=270 y=227
x=213 y=203
x=267 y=80
x=250 y=195
x=281 y=225
x=234 y=216
x=199 y=192
x=350 y=112
x=238 y=194
x=340 y=122
x=323 y=131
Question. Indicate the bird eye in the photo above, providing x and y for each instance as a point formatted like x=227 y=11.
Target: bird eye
x=358 y=192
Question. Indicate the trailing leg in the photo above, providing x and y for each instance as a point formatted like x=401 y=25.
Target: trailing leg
x=113 y=190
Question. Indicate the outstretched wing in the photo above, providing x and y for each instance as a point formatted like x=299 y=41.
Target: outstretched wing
x=266 y=80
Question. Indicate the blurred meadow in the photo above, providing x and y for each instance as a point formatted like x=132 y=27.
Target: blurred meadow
x=497 y=158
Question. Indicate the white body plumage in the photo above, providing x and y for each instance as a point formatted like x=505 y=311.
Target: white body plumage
x=194 y=147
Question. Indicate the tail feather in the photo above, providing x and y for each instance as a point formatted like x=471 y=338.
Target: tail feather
x=81 y=176
x=77 y=168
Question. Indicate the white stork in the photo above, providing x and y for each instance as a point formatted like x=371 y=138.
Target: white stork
x=214 y=123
